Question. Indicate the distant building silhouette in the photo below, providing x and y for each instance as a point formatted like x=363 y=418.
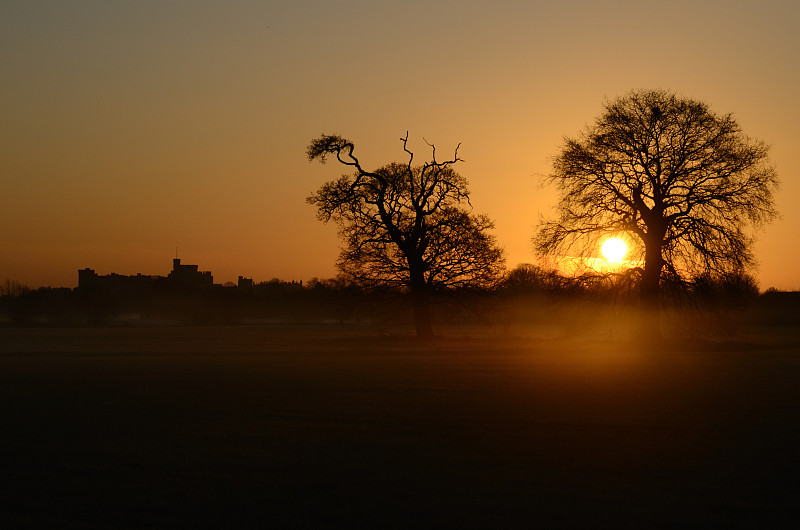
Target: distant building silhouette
x=88 y=279
x=189 y=275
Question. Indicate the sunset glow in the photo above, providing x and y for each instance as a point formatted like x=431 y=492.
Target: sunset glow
x=132 y=128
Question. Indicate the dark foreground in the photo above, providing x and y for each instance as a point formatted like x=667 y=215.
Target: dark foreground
x=275 y=427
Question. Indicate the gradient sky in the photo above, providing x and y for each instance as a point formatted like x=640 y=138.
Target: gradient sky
x=130 y=128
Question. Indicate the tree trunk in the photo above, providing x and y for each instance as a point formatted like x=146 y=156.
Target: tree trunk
x=421 y=302
x=649 y=291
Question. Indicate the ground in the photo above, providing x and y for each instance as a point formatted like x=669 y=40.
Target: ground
x=304 y=426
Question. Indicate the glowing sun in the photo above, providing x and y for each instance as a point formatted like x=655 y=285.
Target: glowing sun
x=614 y=249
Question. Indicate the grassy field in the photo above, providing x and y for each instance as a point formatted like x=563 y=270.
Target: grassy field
x=315 y=426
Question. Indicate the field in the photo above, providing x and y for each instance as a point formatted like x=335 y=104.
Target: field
x=280 y=426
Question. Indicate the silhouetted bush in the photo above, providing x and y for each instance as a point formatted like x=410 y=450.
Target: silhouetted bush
x=43 y=306
x=777 y=308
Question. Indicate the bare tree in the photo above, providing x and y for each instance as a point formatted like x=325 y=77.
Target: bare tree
x=685 y=186
x=13 y=288
x=406 y=226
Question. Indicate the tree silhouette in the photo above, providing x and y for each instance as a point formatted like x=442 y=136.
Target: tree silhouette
x=406 y=226
x=684 y=185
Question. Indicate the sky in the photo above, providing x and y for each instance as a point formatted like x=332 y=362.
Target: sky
x=132 y=130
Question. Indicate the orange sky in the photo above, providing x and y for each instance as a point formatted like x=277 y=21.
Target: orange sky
x=132 y=128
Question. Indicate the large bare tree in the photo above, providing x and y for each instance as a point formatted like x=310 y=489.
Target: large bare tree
x=406 y=226
x=683 y=184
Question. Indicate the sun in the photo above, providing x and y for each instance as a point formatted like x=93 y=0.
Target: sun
x=614 y=249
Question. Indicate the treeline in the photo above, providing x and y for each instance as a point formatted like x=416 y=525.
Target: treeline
x=166 y=302
x=527 y=294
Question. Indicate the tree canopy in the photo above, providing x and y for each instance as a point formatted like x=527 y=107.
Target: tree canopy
x=684 y=185
x=406 y=225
